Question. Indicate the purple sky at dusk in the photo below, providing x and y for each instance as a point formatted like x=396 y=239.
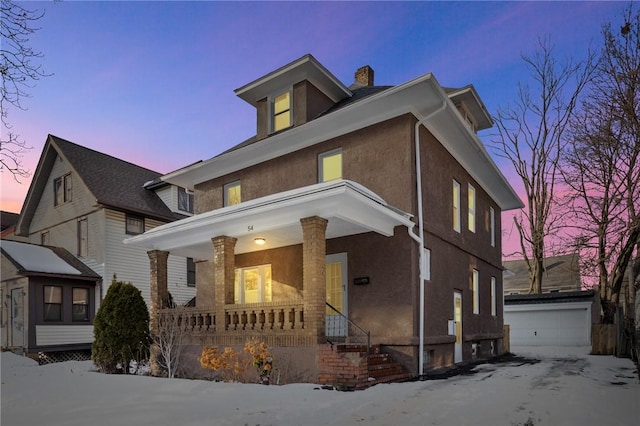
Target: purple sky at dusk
x=152 y=82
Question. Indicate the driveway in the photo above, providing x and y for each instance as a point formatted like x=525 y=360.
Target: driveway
x=538 y=386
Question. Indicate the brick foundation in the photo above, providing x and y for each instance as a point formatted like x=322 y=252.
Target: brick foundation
x=340 y=367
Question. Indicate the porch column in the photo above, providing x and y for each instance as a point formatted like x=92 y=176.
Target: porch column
x=313 y=275
x=223 y=276
x=158 y=286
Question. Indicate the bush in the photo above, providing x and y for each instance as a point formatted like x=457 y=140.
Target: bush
x=121 y=329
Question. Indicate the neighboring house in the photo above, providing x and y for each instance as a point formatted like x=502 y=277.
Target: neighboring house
x=8 y=222
x=323 y=205
x=561 y=316
x=88 y=202
x=47 y=299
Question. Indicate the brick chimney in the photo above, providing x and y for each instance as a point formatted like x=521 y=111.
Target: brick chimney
x=364 y=76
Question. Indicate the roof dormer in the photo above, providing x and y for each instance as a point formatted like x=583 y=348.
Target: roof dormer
x=471 y=108
x=292 y=95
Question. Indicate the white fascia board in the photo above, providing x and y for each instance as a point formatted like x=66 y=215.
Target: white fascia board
x=340 y=199
x=558 y=306
x=418 y=96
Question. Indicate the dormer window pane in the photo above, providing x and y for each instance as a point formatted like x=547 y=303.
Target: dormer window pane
x=232 y=194
x=330 y=165
x=282 y=112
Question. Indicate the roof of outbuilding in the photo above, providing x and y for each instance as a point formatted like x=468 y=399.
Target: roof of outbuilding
x=555 y=297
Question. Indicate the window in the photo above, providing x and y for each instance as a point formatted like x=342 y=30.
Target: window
x=62 y=190
x=253 y=285
x=281 y=107
x=83 y=237
x=493 y=296
x=191 y=272
x=52 y=303
x=472 y=208
x=44 y=238
x=426 y=265
x=456 y=206
x=80 y=310
x=185 y=200
x=134 y=225
x=492 y=226
x=330 y=165
x=475 y=282
x=232 y=194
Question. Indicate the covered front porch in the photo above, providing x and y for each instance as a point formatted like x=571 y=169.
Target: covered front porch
x=286 y=232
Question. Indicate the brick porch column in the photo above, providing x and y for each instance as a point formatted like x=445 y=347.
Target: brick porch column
x=223 y=276
x=158 y=285
x=313 y=275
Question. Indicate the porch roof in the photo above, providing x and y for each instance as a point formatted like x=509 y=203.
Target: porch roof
x=349 y=207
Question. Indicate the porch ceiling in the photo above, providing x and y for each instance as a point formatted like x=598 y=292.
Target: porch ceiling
x=349 y=208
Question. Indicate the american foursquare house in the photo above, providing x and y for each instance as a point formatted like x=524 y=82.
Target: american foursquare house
x=355 y=213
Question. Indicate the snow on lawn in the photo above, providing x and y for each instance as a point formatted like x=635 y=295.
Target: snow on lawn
x=568 y=387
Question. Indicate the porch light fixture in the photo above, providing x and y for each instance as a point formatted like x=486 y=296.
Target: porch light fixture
x=260 y=241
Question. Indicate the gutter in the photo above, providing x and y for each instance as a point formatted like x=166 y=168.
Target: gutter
x=420 y=237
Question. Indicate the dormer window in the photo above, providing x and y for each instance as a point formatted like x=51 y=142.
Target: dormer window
x=281 y=110
x=185 y=200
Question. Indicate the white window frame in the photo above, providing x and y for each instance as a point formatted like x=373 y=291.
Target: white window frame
x=127 y=230
x=456 y=206
x=83 y=237
x=494 y=301
x=426 y=264
x=475 y=283
x=322 y=156
x=239 y=296
x=471 y=205
x=226 y=191
x=492 y=226
x=272 y=115
x=185 y=199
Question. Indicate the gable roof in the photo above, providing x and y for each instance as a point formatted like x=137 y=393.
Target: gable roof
x=113 y=182
x=560 y=273
x=32 y=259
x=8 y=219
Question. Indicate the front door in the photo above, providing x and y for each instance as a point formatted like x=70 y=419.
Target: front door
x=17 y=318
x=457 y=318
x=336 y=283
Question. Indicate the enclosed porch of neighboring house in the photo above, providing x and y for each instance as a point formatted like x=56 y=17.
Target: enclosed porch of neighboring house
x=277 y=267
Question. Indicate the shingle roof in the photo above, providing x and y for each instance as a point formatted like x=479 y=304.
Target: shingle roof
x=560 y=273
x=8 y=219
x=358 y=94
x=114 y=182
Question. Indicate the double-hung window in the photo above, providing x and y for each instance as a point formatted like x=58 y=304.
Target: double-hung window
x=253 y=284
x=492 y=226
x=52 y=303
x=494 y=301
x=134 y=225
x=83 y=237
x=330 y=165
x=281 y=111
x=471 y=196
x=232 y=193
x=62 y=189
x=185 y=200
x=475 y=283
x=456 y=206
x=80 y=311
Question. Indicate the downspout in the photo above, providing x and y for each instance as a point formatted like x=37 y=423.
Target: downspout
x=420 y=237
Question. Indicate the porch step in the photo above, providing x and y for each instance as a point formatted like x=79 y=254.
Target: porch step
x=383 y=369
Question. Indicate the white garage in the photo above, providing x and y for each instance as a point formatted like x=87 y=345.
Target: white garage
x=552 y=319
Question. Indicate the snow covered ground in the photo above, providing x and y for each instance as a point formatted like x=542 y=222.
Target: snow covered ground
x=567 y=387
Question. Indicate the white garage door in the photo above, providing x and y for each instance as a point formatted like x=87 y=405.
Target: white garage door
x=552 y=324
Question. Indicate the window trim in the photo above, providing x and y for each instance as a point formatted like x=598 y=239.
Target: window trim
x=87 y=305
x=64 y=184
x=239 y=296
x=226 y=188
x=188 y=196
x=456 y=206
x=82 y=253
x=46 y=304
x=492 y=226
x=191 y=272
x=475 y=290
x=494 y=301
x=328 y=154
x=45 y=238
x=272 y=113
x=126 y=224
x=471 y=205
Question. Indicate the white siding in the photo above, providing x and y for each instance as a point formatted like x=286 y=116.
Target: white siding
x=169 y=196
x=47 y=335
x=131 y=264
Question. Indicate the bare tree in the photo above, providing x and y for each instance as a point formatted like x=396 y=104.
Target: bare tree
x=602 y=163
x=20 y=69
x=169 y=339
x=531 y=136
